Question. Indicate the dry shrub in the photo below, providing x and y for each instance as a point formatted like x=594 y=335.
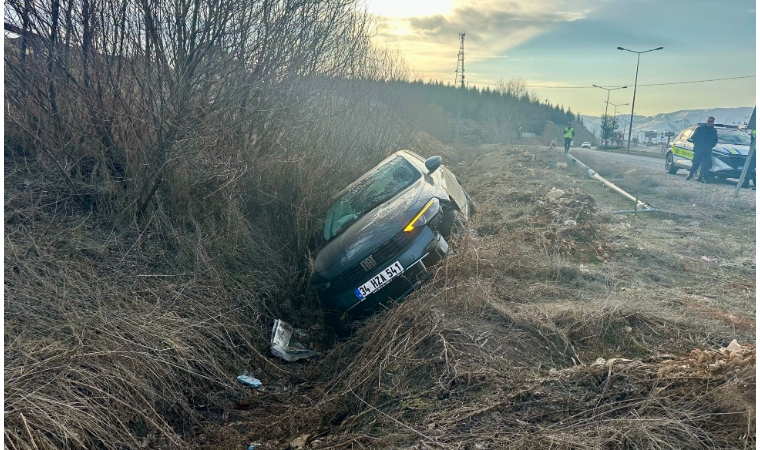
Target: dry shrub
x=457 y=365
x=151 y=240
x=106 y=343
x=501 y=350
x=498 y=350
x=130 y=334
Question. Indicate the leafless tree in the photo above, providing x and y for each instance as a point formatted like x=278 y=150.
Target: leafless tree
x=225 y=123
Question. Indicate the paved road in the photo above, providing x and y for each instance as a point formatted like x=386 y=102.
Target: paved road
x=653 y=160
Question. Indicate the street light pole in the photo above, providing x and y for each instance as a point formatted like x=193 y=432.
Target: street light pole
x=635 y=81
x=608 y=102
x=608 y=93
x=614 y=115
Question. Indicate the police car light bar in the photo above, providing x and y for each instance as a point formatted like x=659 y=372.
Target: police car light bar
x=720 y=125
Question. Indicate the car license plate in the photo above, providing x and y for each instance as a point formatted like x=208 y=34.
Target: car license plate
x=378 y=281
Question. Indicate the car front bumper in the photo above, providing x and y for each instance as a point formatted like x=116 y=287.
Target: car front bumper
x=730 y=166
x=732 y=174
x=427 y=248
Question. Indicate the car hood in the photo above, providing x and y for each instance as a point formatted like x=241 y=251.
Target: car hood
x=730 y=149
x=371 y=230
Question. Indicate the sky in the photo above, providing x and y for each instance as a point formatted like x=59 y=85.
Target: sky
x=560 y=48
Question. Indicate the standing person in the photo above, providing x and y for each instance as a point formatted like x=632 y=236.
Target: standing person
x=704 y=138
x=569 y=133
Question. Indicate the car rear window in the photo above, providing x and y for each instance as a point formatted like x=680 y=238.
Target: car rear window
x=377 y=187
x=734 y=137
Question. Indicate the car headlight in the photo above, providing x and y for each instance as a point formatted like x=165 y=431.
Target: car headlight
x=427 y=212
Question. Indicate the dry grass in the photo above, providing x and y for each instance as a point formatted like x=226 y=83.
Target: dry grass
x=104 y=342
x=501 y=349
x=132 y=337
x=126 y=332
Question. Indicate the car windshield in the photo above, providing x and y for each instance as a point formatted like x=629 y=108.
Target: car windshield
x=377 y=187
x=734 y=137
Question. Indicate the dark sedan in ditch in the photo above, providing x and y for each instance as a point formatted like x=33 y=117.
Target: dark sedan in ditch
x=385 y=229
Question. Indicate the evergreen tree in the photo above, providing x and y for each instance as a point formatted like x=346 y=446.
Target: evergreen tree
x=608 y=128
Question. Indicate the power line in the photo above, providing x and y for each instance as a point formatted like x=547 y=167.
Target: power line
x=699 y=81
x=655 y=84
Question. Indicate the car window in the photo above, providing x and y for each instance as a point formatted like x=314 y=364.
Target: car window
x=377 y=187
x=686 y=134
x=734 y=137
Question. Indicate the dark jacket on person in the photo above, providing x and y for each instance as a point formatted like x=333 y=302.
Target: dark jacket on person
x=704 y=138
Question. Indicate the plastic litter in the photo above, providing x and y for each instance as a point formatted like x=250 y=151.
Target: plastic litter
x=250 y=381
x=733 y=346
x=707 y=259
x=284 y=346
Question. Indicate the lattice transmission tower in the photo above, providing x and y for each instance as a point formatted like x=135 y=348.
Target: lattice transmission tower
x=460 y=63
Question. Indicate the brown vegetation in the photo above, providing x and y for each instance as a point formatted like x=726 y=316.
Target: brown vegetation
x=585 y=340
x=159 y=205
x=166 y=170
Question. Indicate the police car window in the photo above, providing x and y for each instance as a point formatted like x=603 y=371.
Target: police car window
x=686 y=134
x=734 y=137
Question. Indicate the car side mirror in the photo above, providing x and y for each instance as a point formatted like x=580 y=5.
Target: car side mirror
x=433 y=163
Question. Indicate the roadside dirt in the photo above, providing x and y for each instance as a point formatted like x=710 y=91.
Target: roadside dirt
x=554 y=324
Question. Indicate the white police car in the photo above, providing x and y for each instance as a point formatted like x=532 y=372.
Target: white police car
x=728 y=156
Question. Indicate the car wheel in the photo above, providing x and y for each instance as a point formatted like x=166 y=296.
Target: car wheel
x=453 y=221
x=669 y=164
x=470 y=205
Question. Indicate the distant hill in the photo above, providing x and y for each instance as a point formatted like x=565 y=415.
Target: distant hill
x=675 y=121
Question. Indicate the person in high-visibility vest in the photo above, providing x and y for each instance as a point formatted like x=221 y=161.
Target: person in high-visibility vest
x=569 y=133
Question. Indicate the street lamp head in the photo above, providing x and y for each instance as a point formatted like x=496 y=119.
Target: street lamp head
x=659 y=48
x=609 y=89
x=620 y=48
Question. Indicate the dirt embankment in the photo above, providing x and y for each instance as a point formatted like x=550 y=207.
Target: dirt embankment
x=553 y=324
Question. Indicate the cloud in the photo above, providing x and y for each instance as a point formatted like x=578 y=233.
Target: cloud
x=431 y=43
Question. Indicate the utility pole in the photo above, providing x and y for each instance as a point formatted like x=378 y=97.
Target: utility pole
x=460 y=62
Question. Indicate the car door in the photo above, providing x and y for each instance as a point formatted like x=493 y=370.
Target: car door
x=683 y=149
